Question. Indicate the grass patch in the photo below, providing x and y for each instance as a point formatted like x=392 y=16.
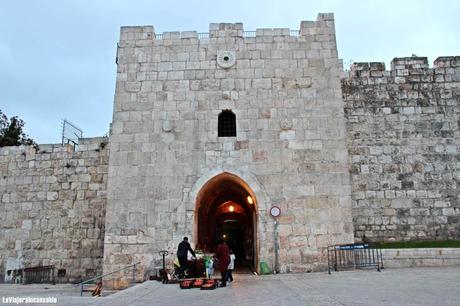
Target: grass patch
x=420 y=244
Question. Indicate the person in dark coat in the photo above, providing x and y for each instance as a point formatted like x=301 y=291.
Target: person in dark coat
x=182 y=251
x=223 y=256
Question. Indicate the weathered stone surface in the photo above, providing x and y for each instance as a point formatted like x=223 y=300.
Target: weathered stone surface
x=43 y=220
x=403 y=141
x=285 y=105
x=429 y=257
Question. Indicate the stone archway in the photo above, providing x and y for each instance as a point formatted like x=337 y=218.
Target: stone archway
x=214 y=195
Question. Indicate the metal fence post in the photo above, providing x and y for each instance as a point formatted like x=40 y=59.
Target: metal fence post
x=81 y=289
x=52 y=271
x=134 y=273
x=335 y=259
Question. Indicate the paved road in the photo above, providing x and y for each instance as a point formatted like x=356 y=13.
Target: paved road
x=415 y=286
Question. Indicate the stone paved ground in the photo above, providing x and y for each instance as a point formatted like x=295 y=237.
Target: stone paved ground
x=418 y=286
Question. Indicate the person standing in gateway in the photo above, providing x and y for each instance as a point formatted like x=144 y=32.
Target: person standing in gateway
x=182 y=251
x=223 y=256
x=231 y=266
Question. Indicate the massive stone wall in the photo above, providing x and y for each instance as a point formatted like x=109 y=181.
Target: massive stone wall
x=290 y=143
x=53 y=208
x=402 y=128
x=403 y=140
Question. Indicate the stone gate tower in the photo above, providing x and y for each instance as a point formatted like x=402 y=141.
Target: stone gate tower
x=212 y=130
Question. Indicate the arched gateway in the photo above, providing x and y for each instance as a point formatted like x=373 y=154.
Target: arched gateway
x=229 y=206
x=226 y=208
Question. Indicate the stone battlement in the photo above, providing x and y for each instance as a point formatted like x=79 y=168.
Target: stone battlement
x=85 y=144
x=324 y=25
x=409 y=69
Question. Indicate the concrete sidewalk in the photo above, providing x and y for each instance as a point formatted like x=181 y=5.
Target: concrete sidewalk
x=414 y=286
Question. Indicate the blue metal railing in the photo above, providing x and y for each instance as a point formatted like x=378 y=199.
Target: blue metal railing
x=90 y=281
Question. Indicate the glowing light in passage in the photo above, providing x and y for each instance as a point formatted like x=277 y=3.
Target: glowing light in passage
x=231 y=208
x=224 y=236
x=250 y=200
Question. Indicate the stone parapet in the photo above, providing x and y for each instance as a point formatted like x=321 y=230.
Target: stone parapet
x=320 y=34
x=406 y=70
x=447 y=61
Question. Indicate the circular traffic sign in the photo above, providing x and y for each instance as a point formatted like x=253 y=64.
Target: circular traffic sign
x=275 y=211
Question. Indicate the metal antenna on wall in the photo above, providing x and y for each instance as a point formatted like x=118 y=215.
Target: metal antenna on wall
x=70 y=133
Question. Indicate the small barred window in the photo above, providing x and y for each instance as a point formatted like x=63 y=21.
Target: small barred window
x=226 y=124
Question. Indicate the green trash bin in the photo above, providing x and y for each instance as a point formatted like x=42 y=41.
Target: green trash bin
x=264 y=269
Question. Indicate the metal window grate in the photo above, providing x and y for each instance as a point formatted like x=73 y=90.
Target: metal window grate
x=38 y=275
x=226 y=124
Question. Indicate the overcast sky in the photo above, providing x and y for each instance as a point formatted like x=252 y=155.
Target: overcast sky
x=57 y=58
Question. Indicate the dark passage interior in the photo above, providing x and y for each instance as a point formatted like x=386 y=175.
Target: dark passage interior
x=226 y=210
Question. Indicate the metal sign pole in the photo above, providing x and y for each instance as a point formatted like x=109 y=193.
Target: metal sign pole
x=275 y=212
x=275 y=232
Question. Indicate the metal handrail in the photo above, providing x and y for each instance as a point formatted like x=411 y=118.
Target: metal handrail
x=206 y=35
x=249 y=33
x=104 y=275
x=203 y=35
